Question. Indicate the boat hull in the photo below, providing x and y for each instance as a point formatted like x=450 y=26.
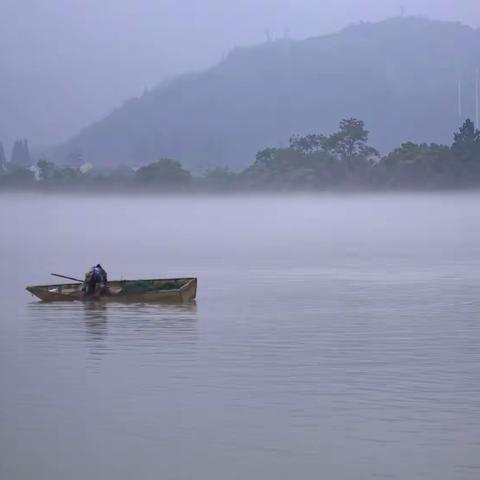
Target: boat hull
x=172 y=290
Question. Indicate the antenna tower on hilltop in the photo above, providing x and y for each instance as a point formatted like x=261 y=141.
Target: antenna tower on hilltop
x=459 y=94
x=476 y=97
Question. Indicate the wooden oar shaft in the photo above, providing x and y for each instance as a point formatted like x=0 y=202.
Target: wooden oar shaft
x=68 y=278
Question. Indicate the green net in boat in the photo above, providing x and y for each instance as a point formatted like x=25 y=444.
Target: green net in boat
x=144 y=286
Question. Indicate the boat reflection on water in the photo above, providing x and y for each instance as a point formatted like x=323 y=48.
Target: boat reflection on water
x=106 y=327
x=96 y=326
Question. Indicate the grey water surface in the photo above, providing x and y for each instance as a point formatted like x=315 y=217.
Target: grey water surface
x=333 y=337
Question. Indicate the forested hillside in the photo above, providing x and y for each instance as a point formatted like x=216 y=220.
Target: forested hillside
x=400 y=76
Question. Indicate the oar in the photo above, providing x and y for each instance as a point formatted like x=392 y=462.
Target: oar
x=68 y=278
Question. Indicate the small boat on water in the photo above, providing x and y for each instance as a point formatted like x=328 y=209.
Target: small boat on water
x=164 y=290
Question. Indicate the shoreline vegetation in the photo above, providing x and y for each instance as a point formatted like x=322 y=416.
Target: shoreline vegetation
x=341 y=162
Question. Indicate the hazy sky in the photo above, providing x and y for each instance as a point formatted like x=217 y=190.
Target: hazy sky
x=65 y=63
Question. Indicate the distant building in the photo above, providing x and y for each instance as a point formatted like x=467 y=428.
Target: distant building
x=86 y=167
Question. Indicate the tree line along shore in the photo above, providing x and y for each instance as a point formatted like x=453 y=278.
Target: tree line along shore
x=341 y=161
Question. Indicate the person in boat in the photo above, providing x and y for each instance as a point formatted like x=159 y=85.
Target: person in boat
x=95 y=276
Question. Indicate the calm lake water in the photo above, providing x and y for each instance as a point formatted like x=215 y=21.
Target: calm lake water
x=333 y=338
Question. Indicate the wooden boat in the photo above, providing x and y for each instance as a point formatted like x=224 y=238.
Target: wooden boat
x=166 y=290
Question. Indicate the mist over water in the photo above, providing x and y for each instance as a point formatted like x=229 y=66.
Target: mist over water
x=332 y=337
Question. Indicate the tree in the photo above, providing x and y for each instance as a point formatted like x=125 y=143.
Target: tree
x=46 y=169
x=3 y=159
x=266 y=156
x=164 y=173
x=350 y=141
x=18 y=177
x=220 y=178
x=307 y=144
x=415 y=166
x=466 y=142
x=66 y=176
x=16 y=158
x=21 y=153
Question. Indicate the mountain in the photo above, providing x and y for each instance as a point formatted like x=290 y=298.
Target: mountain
x=400 y=76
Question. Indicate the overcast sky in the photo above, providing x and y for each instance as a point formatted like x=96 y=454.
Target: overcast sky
x=66 y=63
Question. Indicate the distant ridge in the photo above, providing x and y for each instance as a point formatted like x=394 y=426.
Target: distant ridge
x=400 y=76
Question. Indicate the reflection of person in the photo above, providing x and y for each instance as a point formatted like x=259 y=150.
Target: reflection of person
x=95 y=275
